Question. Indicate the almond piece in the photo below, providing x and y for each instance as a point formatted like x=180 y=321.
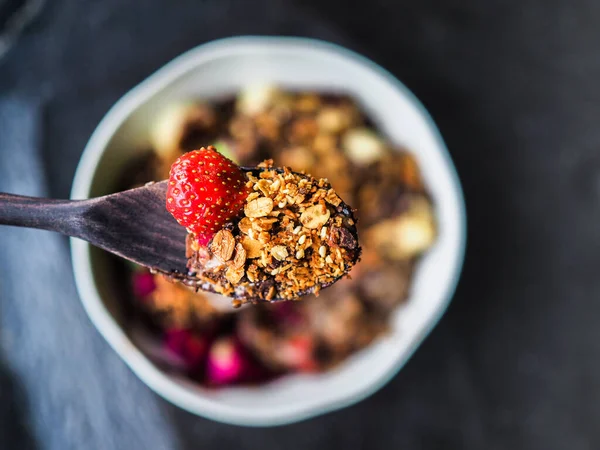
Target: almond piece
x=259 y=207
x=240 y=256
x=252 y=246
x=222 y=245
x=332 y=197
x=315 y=217
x=245 y=225
x=279 y=252
x=234 y=275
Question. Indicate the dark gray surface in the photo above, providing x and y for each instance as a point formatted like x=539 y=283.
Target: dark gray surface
x=514 y=88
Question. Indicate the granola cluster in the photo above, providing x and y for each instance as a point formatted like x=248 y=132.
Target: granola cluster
x=295 y=237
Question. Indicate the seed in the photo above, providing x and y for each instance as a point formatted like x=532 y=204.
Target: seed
x=302 y=239
x=322 y=251
x=279 y=252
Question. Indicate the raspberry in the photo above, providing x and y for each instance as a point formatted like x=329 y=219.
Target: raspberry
x=206 y=190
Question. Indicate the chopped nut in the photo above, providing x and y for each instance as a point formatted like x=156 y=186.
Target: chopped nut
x=307 y=243
x=245 y=225
x=264 y=187
x=315 y=216
x=222 y=245
x=252 y=273
x=270 y=293
x=263 y=224
x=275 y=185
x=332 y=198
x=252 y=196
x=253 y=247
x=279 y=252
x=259 y=207
x=240 y=256
x=234 y=275
x=300 y=254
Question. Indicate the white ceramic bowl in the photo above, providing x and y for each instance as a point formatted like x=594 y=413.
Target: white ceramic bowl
x=223 y=67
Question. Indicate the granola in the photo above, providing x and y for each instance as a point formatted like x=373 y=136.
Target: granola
x=296 y=236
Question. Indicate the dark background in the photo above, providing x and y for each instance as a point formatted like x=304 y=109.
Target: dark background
x=514 y=88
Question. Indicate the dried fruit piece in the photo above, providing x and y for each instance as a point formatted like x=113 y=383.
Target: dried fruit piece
x=225 y=362
x=191 y=348
x=143 y=284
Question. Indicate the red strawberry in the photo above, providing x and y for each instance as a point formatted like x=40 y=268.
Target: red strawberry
x=206 y=190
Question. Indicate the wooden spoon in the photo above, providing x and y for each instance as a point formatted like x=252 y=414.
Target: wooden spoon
x=133 y=224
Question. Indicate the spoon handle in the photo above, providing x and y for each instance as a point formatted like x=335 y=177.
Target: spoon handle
x=62 y=216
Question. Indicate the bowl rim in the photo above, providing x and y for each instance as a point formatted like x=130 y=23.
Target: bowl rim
x=116 y=337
